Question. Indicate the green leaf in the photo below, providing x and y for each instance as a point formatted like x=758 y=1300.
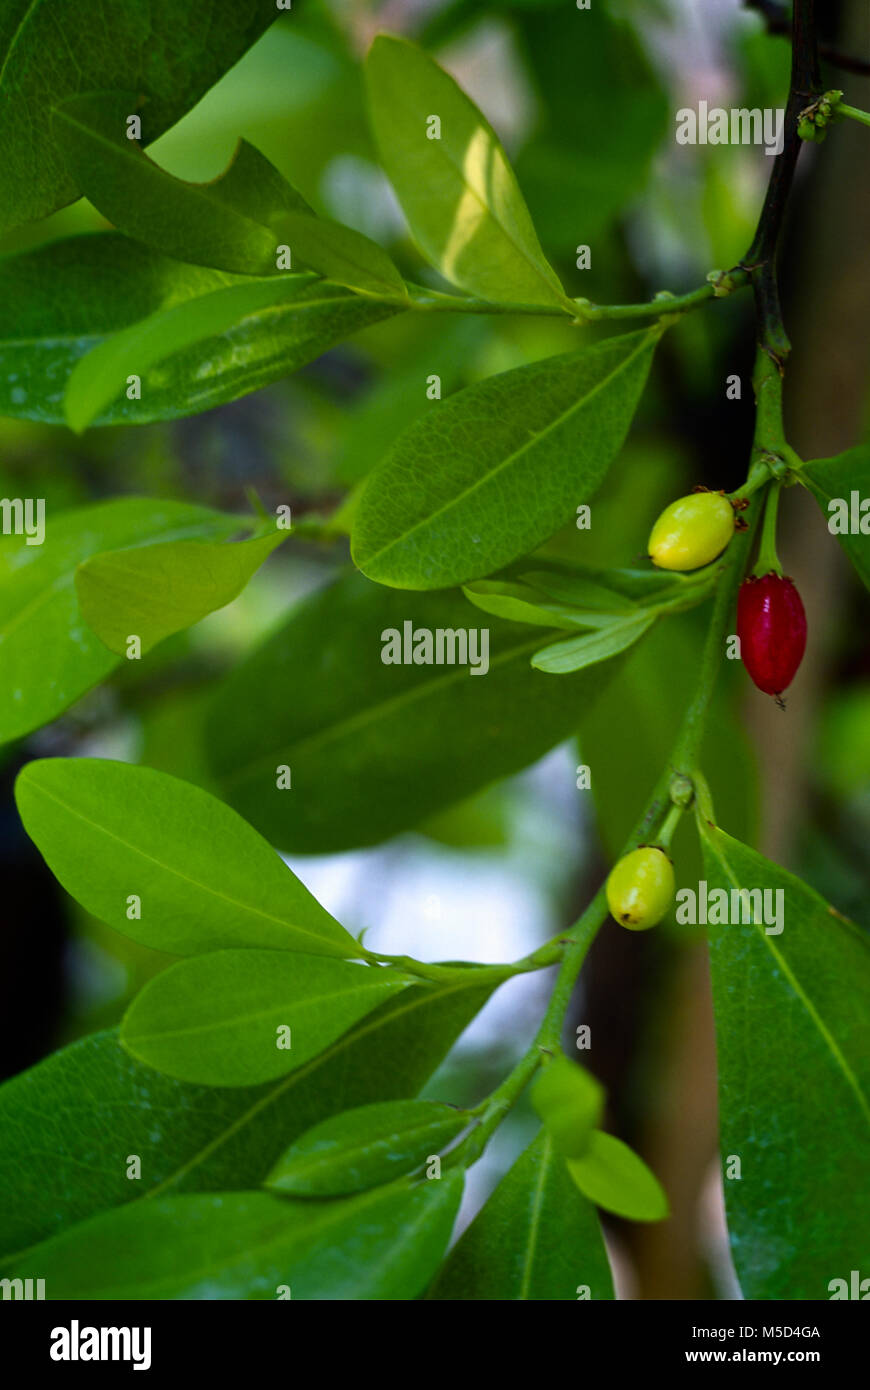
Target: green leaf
x=569 y=1101
x=365 y=1147
x=382 y=1244
x=236 y=222
x=793 y=1042
x=521 y=604
x=612 y=1176
x=458 y=191
x=67 y=1125
x=845 y=481
x=155 y=591
x=217 y=347
x=166 y=50
x=49 y=655
x=614 y=590
x=591 y=647
x=235 y=1018
x=496 y=469
x=536 y=1238
x=342 y=255
x=62 y=299
x=374 y=749
x=226 y=223
x=204 y=879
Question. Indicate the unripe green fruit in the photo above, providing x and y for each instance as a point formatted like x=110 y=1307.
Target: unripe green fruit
x=640 y=888
x=570 y=1102
x=692 y=531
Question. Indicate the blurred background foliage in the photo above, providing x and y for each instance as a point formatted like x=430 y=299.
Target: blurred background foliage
x=585 y=104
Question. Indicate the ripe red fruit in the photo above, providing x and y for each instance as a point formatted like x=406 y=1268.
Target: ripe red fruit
x=772 y=627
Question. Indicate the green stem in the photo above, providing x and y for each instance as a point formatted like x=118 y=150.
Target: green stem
x=759 y=475
x=586 y=312
x=666 y=834
x=547 y=1039
x=548 y=954
x=692 y=734
x=853 y=113
x=579 y=938
x=703 y=799
x=768 y=560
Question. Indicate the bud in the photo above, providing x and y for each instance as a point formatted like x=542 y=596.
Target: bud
x=569 y=1102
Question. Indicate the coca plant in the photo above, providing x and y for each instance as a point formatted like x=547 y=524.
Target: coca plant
x=267 y=1081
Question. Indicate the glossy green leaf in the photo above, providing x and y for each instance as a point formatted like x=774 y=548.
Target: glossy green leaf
x=493 y=471
x=62 y=299
x=374 y=748
x=49 y=655
x=235 y=1018
x=841 y=486
x=457 y=190
x=226 y=223
x=237 y=222
x=382 y=1244
x=793 y=1041
x=204 y=880
x=364 y=1147
x=155 y=591
x=612 y=1176
x=167 y=51
x=535 y=1238
x=67 y=1125
x=591 y=647
x=218 y=346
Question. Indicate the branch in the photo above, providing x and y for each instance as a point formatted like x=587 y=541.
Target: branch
x=760 y=259
x=778 y=21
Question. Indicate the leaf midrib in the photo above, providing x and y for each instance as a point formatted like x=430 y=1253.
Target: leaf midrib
x=555 y=292
x=511 y=458
x=374 y=712
x=535 y=1218
x=824 y=1032
x=13 y=42
x=185 y=878
x=347 y=1040
x=345 y=1156
x=317 y=1225
x=240 y=1020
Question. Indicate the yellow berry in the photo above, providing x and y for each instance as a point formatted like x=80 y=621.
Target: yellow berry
x=692 y=531
x=640 y=888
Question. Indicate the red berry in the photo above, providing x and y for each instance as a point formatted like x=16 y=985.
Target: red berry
x=772 y=627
